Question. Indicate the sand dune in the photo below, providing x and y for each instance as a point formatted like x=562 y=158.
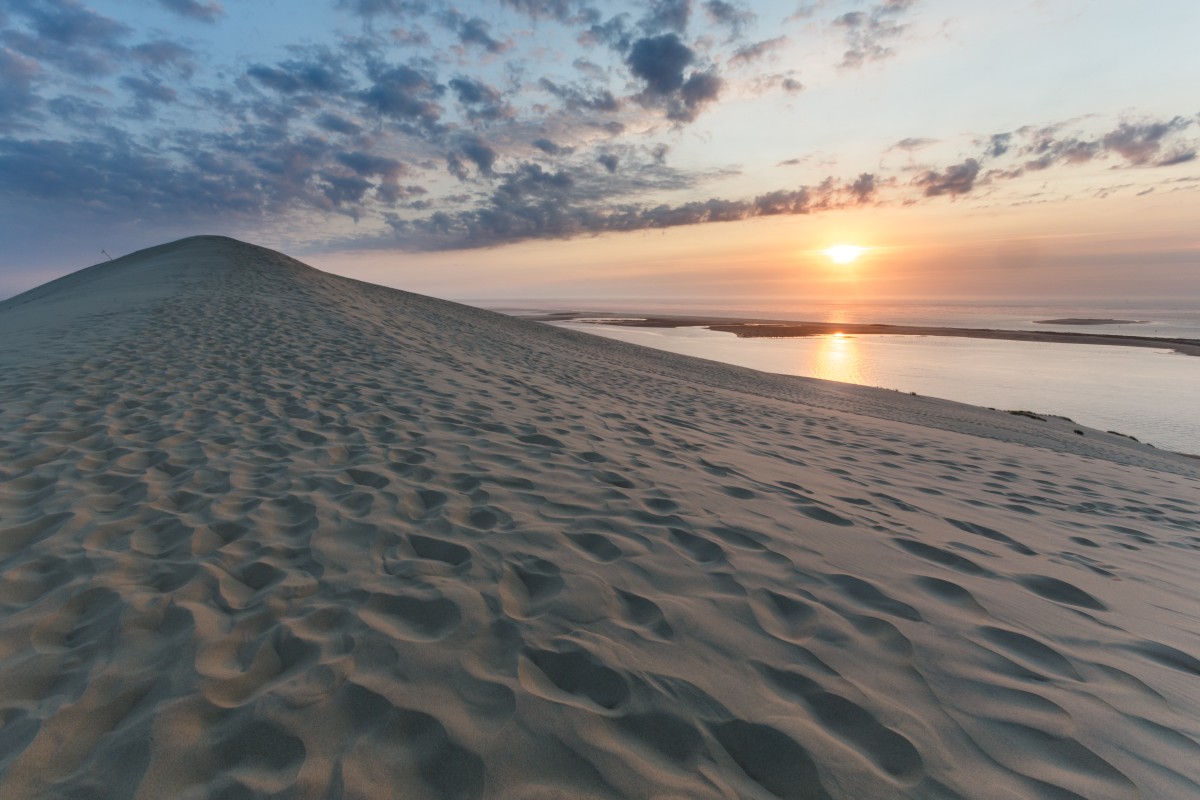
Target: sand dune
x=268 y=532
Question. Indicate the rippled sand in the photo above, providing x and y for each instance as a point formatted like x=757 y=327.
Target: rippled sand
x=268 y=532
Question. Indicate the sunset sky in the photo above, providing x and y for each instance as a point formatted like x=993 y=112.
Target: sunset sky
x=583 y=148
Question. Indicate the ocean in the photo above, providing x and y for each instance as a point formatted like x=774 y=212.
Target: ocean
x=1153 y=395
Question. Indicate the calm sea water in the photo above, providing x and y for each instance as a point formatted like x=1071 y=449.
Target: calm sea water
x=1148 y=393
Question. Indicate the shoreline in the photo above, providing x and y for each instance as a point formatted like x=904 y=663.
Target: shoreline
x=746 y=328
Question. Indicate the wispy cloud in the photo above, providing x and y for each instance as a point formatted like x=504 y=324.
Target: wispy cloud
x=868 y=32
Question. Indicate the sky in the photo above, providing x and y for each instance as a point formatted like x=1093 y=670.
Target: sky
x=709 y=149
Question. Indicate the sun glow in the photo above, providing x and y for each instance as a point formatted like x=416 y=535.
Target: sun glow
x=844 y=253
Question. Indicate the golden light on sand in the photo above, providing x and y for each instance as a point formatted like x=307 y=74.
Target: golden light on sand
x=844 y=253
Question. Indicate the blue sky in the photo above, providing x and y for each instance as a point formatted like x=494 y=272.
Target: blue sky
x=393 y=139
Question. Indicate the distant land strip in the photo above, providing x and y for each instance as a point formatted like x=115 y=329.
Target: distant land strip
x=785 y=329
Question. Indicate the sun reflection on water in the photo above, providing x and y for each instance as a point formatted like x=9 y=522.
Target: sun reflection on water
x=837 y=359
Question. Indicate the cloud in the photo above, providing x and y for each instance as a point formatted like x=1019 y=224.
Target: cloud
x=697 y=91
x=202 y=12
x=609 y=161
x=475 y=31
x=954 y=180
x=667 y=15
x=335 y=123
x=369 y=164
x=660 y=61
x=473 y=150
x=67 y=22
x=379 y=8
x=756 y=50
x=551 y=148
x=1145 y=143
x=482 y=102
x=866 y=32
x=560 y=10
x=322 y=74
x=729 y=15
x=404 y=93
x=998 y=145
x=577 y=99
x=68 y=35
x=614 y=33
x=1141 y=144
x=164 y=54
x=148 y=91
x=17 y=76
x=913 y=143
x=534 y=203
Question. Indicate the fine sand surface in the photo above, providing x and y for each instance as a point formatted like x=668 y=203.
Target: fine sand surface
x=268 y=532
x=790 y=329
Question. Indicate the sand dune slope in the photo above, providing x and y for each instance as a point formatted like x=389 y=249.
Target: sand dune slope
x=267 y=532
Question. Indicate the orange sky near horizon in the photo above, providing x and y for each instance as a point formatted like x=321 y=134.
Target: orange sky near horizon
x=1089 y=249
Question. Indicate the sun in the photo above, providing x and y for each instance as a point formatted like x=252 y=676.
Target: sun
x=844 y=253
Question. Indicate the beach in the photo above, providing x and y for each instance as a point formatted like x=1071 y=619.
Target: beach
x=270 y=532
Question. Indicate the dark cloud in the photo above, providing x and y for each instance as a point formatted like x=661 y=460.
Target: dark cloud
x=1141 y=144
x=322 y=73
x=67 y=35
x=338 y=124
x=67 y=22
x=998 y=145
x=954 y=180
x=1176 y=157
x=404 y=93
x=369 y=164
x=481 y=153
x=867 y=31
x=477 y=32
x=1147 y=143
x=576 y=99
x=700 y=89
x=791 y=85
x=660 y=62
x=864 y=187
x=482 y=102
x=667 y=15
x=534 y=203
x=122 y=180
x=550 y=148
x=342 y=189
x=203 y=12
x=609 y=161
x=473 y=150
x=729 y=15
